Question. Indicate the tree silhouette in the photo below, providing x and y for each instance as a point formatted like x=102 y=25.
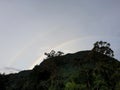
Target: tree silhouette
x=59 y=53
x=54 y=54
x=104 y=48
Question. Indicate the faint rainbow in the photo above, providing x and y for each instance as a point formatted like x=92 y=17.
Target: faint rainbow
x=40 y=58
x=34 y=40
x=24 y=49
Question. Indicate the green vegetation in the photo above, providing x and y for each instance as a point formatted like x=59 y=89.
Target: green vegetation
x=85 y=70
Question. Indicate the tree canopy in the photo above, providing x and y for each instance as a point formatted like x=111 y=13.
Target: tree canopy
x=104 y=48
x=54 y=54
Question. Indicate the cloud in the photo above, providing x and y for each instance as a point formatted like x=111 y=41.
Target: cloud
x=11 y=68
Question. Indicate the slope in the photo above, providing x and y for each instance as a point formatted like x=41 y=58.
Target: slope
x=84 y=70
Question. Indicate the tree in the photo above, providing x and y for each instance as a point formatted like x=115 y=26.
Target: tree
x=54 y=54
x=104 y=48
x=51 y=54
x=59 y=53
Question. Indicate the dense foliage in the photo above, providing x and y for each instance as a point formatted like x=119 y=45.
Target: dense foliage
x=84 y=70
x=104 y=48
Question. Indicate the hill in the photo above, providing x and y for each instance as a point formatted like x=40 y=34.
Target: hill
x=84 y=70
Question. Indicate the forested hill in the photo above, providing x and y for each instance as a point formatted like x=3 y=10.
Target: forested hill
x=84 y=70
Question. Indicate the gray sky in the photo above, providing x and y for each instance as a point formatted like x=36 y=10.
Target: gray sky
x=28 y=28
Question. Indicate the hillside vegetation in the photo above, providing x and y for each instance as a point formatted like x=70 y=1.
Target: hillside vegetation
x=84 y=70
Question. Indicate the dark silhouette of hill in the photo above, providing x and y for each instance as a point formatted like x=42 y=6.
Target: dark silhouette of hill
x=84 y=70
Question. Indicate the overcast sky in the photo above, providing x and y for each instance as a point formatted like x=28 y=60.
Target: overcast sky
x=28 y=28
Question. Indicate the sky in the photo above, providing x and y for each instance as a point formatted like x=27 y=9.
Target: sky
x=29 y=28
